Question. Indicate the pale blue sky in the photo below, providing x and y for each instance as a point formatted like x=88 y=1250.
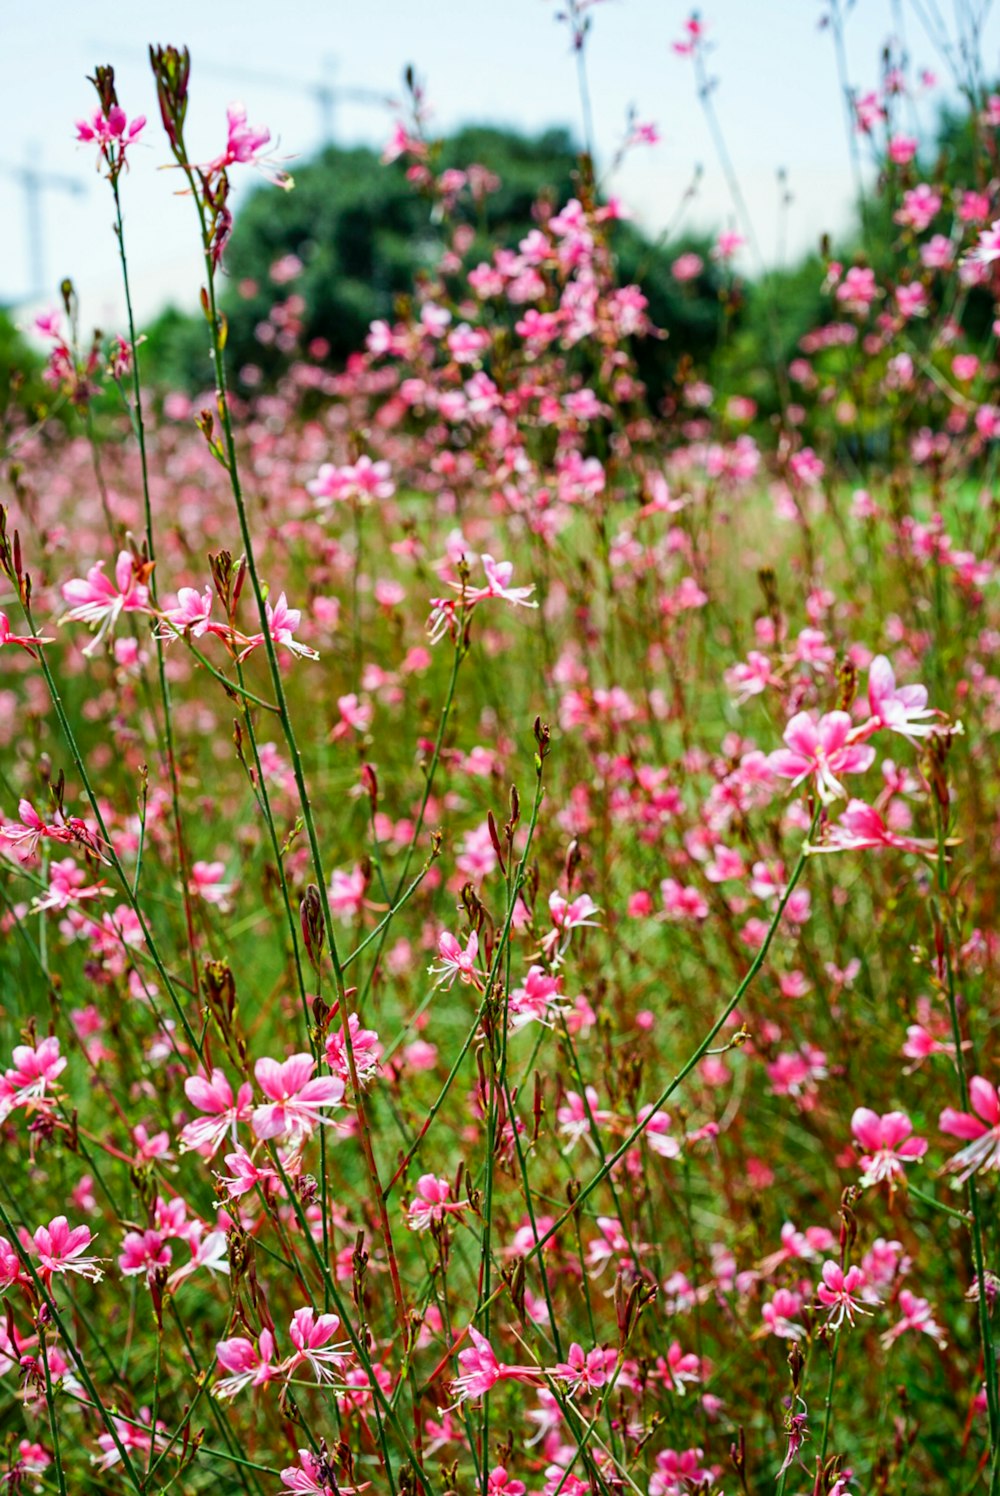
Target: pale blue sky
x=778 y=101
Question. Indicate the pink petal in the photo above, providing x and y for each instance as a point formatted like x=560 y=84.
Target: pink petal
x=961 y=1124
x=984 y=1100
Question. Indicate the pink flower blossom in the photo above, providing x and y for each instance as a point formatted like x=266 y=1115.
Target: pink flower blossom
x=143 y=1252
x=840 y=1293
x=821 y=750
x=678 y=1473
x=245 y=146
x=901 y=709
x=361 y=481
x=860 y=826
x=480 y=1370
x=431 y=1203
x=251 y=1365
x=282 y=621
x=781 y=1315
x=888 y=1143
x=189 y=615
x=223 y=1112
x=687 y=267
x=134 y=1440
x=917 y=1315
x=498 y=575
x=588 y=1372
x=32 y=1075
x=26 y=642
x=980 y=1127
x=95 y=599
x=311 y=1334
x=988 y=247
x=295 y=1100
x=112 y=133
x=58 y=1248
x=365 y=1046
x=245 y=1175
x=457 y=963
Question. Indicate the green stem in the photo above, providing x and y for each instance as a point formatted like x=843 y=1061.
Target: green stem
x=685 y=1070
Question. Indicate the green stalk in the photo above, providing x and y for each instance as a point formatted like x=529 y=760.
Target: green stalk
x=685 y=1070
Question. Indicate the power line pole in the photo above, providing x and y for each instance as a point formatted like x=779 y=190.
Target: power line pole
x=34 y=183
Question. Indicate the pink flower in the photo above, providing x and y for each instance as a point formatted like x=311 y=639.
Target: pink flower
x=572 y=915
x=917 y=1315
x=251 y=1365
x=110 y=128
x=112 y=133
x=26 y=833
x=982 y=1130
x=751 y=678
x=498 y=575
x=888 y=1143
x=687 y=267
x=190 y=614
x=678 y=1368
x=538 y=1001
x=457 y=963
x=24 y=641
x=135 y=1440
x=920 y=206
x=822 y=749
x=586 y=1373
x=861 y=826
x=901 y=709
x=431 y=1203
x=911 y=299
x=682 y=901
x=206 y=882
x=988 y=248
x=209 y=1250
x=365 y=1046
x=143 y=1252
x=858 y=289
x=95 y=599
x=480 y=1370
x=467 y=344
x=678 y=1473
x=67 y=886
x=902 y=149
x=347 y=892
x=32 y=1075
x=246 y=1175
x=839 y=1292
x=214 y=1097
x=644 y=133
x=502 y=1484
x=282 y=621
x=355 y=716
x=727 y=244
x=10 y=1270
x=657 y=1132
x=296 y=1101
x=781 y=1315
x=244 y=146
x=58 y=1248
x=311 y=1334
x=694 y=36
x=362 y=481
x=315 y=1477
x=574 y=1117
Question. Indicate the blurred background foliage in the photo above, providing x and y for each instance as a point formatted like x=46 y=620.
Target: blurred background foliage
x=364 y=235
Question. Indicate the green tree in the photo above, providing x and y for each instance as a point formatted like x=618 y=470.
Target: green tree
x=364 y=235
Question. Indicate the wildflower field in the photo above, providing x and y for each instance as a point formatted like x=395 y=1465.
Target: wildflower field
x=498 y=866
